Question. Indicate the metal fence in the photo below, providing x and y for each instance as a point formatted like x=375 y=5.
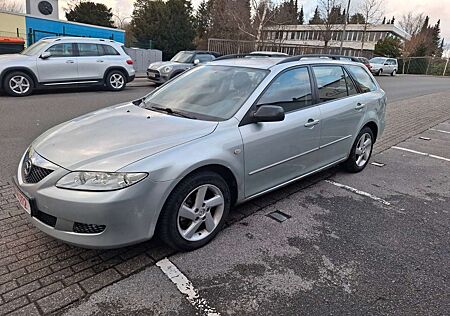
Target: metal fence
x=434 y=66
x=226 y=46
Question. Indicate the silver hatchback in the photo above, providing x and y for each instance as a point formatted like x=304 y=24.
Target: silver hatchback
x=176 y=161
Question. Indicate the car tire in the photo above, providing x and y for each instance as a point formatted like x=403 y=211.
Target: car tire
x=116 y=80
x=186 y=222
x=18 y=84
x=379 y=72
x=394 y=73
x=361 y=151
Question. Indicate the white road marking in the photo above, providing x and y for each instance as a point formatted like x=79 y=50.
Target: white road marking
x=185 y=287
x=439 y=130
x=421 y=153
x=351 y=189
x=377 y=164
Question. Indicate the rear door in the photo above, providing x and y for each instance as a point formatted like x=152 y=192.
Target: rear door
x=91 y=61
x=60 y=67
x=276 y=152
x=342 y=110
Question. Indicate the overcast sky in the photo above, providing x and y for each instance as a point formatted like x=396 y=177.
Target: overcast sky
x=436 y=9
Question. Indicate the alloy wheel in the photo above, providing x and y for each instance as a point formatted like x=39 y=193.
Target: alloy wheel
x=117 y=81
x=19 y=84
x=363 y=149
x=200 y=213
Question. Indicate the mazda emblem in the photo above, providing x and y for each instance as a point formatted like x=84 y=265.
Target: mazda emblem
x=27 y=167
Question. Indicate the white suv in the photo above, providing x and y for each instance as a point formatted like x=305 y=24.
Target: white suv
x=66 y=61
x=383 y=65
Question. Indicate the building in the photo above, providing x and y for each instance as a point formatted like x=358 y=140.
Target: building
x=287 y=37
x=32 y=28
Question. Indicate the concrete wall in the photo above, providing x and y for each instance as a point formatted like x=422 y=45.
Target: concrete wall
x=143 y=57
x=9 y=23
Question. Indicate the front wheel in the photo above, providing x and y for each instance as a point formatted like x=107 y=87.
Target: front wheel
x=379 y=72
x=195 y=211
x=18 y=84
x=361 y=151
x=115 y=80
x=394 y=73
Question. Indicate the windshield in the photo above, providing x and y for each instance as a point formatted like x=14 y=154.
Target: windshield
x=208 y=92
x=183 y=57
x=378 y=60
x=34 y=49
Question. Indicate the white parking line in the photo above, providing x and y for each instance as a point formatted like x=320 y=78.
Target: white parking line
x=185 y=287
x=421 y=153
x=439 y=130
x=351 y=189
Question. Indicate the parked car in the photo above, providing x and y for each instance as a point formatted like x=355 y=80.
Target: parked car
x=163 y=71
x=180 y=158
x=383 y=65
x=66 y=62
x=365 y=61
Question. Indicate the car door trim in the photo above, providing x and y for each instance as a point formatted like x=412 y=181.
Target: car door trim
x=70 y=82
x=294 y=179
x=335 y=141
x=283 y=161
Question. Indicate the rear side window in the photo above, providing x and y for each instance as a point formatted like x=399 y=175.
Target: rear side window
x=86 y=49
x=291 y=90
x=109 y=50
x=331 y=82
x=362 y=78
x=61 y=50
x=203 y=58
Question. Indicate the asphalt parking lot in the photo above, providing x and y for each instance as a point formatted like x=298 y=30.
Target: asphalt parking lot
x=372 y=243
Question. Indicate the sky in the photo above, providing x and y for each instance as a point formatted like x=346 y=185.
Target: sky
x=436 y=9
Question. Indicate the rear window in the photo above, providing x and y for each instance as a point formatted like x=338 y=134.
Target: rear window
x=362 y=78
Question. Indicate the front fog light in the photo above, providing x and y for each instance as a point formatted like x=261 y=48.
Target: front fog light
x=99 y=181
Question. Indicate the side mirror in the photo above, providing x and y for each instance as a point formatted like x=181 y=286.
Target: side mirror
x=196 y=62
x=268 y=113
x=45 y=55
x=386 y=64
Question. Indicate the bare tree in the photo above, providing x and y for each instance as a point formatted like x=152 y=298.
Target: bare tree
x=11 y=6
x=329 y=22
x=372 y=10
x=412 y=22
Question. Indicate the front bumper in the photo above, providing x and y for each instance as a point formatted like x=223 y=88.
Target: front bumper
x=127 y=216
x=156 y=77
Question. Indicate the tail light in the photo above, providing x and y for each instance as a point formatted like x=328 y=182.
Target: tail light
x=130 y=62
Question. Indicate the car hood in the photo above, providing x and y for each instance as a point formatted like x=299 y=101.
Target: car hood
x=112 y=138
x=12 y=57
x=161 y=64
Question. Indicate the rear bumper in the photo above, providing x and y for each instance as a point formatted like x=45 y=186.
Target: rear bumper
x=131 y=78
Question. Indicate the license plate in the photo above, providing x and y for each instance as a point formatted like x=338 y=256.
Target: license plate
x=23 y=201
x=151 y=74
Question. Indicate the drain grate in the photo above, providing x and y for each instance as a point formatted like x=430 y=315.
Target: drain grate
x=279 y=216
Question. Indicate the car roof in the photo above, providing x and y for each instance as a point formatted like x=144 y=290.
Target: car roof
x=269 y=62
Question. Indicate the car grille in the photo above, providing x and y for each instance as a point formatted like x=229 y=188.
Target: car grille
x=88 y=228
x=156 y=72
x=35 y=173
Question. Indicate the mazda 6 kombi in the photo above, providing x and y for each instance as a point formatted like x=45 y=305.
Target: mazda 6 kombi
x=177 y=161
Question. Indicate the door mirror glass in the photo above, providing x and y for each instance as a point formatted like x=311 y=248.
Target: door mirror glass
x=45 y=55
x=196 y=62
x=268 y=113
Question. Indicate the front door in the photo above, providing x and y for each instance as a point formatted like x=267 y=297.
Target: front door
x=276 y=152
x=61 y=66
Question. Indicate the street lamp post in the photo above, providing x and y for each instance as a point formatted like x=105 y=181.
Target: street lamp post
x=344 y=31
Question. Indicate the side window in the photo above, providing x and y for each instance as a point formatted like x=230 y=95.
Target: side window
x=86 y=49
x=291 y=90
x=61 y=50
x=330 y=82
x=351 y=88
x=203 y=58
x=108 y=50
x=362 y=78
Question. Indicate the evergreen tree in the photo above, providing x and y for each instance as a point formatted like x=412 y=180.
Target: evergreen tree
x=203 y=19
x=425 y=23
x=301 y=17
x=384 y=20
x=357 y=18
x=393 y=20
x=388 y=47
x=316 y=19
x=91 y=13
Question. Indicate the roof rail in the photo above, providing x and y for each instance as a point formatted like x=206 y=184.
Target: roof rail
x=254 y=54
x=300 y=57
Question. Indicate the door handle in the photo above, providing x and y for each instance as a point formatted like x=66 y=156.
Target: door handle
x=311 y=123
x=69 y=62
x=99 y=61
x=359 y=106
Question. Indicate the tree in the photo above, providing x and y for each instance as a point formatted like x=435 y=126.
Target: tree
x=393 y=20
x=412 y=22
x=357 y=18
x=202 y=20
x=11 y=6
x=384 y=20
x=372 y=11
x=388 y=47
x=316 y=19
x=301 y=17
x=426 y=42
x=230 y=19
x=328 y=14
x=91 y=13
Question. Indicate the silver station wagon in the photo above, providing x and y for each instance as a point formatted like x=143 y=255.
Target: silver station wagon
x=175 y=162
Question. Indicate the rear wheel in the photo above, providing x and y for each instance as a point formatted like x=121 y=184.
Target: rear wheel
x=115 y=80
x=195 y=211
x=18 y=84
x=394 y=73
x=361 y=151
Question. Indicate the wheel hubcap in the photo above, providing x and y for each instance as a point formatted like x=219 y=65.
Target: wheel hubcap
x=200 y=213
x=363 y=149
x=19 y=84
x=116 y=81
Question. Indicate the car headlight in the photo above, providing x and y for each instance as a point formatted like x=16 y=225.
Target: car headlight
x=99 y=181
x=167 y=69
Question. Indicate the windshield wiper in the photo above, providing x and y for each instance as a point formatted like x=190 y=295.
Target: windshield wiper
x=171 y=111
